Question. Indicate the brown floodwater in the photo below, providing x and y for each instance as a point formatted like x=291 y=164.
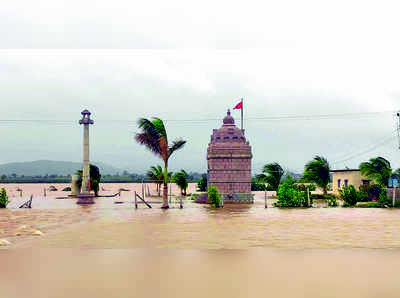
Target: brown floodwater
x=113 y=250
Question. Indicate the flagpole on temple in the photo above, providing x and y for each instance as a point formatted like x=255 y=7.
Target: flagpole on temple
x=241 y=123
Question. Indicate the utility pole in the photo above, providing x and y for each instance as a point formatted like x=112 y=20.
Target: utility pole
x=398 y=137
x=241 y=122
x=398 y=127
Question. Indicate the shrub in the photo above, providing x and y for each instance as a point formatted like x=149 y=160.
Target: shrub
x=331 y=200
x=370 y=205
x=214 y=197
x=256 y=185
x=384 y=200
x=349 y=195
x=289 y=195
x=363 y=194
x=3 y=198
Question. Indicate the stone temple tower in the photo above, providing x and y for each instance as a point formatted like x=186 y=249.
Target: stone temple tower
x=229 y=163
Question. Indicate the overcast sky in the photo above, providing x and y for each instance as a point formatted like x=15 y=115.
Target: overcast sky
x=191 y=60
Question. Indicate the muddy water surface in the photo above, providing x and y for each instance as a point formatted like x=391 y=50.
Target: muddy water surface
x=113 y=250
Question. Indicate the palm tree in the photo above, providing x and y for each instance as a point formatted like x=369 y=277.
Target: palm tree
x=156 y=174
x=181 y=179
x=318 y=171
x=377 y=169
x=154 y=136
x=272 y=174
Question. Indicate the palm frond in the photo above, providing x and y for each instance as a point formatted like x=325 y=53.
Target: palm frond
x=149 y=136
x=318 y=172
x=176 y=145
x=377 y=169
x=160 y=127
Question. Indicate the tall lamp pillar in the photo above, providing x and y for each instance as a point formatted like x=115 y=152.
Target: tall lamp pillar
x=85 y=197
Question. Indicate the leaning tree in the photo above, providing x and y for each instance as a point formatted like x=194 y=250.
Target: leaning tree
x=377 y=169
x=181 y=180
x=318 y=171
x=156 y=174
x=272 y=175
x=153 y=135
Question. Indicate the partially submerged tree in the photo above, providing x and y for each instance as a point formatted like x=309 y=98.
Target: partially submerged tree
x=272 y=174
x=377 y=169
x=318 y=171
x=153 y=135
x=181 y=179
x=3 y=198
x=95 y=179
x=156 y=174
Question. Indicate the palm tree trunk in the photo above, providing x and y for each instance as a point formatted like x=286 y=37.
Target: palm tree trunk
x=165 y=190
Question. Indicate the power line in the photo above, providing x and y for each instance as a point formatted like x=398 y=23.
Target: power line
x=377 y=145
x=314 y=117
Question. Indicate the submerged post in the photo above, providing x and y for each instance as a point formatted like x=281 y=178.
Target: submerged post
x=85 y=197
x=394 y=195
x=135 y=201
x=265 y=198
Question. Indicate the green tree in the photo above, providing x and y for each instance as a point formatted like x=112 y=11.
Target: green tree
x=181 y=179
x=3 y=198
x=153 y=135
x=95 y=179
x=214 y=197
x=272 y=175
x=156 y=174
x=202 y=184
x=318 y=171
x=290 y=195
x=377 y=169
x=349 y=195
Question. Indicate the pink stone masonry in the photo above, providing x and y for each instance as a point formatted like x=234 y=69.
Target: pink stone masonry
x=229 y=162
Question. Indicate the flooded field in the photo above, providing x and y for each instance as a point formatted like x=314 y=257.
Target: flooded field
x=114 y=250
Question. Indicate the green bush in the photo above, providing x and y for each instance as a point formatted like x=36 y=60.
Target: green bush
x=214 y=197
x=364 y=195
x=289 y=194
x=256 y=185
x=384 y=200
x=349 y=195
x=3 y=198
x=331 y=201
x=370 y=205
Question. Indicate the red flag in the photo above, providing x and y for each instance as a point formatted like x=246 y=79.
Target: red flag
x=239 y=106
x=89 y=185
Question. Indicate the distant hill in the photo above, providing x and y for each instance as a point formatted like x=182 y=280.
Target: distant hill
x=43 y=167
